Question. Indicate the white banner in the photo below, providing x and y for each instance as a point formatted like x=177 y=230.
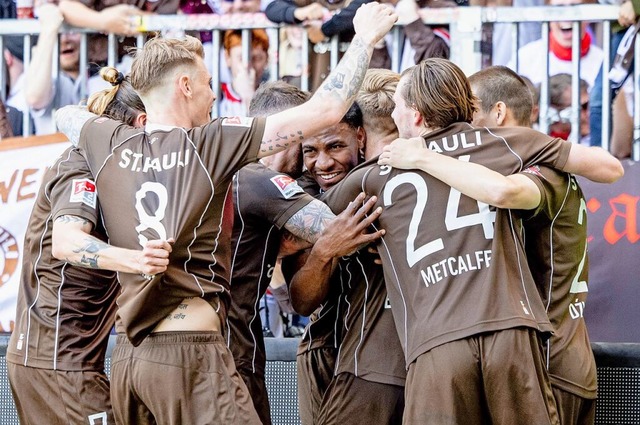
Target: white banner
x=21 y=172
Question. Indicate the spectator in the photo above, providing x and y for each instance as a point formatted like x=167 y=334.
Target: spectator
x=323 y=19
x=422 y=41
x=5 y=123
x=560 y=108
x=15 y=102
x=45 y=91
x=532 y=55
x=245 y=78
x=627 y=16
x=108 y=16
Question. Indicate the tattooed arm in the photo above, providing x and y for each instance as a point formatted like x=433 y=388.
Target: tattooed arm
x=73 y=243
x=334 y=97
x=345 y=235
x=70 y=120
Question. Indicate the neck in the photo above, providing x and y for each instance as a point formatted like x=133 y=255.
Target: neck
x=165 y=109
x=375 y=145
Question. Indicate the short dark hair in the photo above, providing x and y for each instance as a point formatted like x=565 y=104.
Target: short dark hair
x=353 y=117
x=501 y=84
x=275 y=96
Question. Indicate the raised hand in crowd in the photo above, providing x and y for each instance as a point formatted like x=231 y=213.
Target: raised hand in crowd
x=310 y=12
x=119 y=19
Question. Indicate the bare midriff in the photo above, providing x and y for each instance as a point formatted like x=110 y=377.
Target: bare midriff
x=193 y=314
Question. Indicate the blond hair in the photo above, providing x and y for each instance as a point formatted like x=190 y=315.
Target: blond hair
x=120 y=102
x=439 y=91
x=158 y=57
x=375 y=99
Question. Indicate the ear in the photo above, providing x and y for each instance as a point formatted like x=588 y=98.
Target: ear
x=500 y=113
x=185 y=85
x=418 y=121
x=141 y=120
x=361 y=137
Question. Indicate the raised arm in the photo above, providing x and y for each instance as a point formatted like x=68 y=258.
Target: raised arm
x=594 y=163
x=117 y=19
x=72 y=242
x=39 y=90
x=70 y=119
x=474 y=180
x=345 y=235
x=334 y=97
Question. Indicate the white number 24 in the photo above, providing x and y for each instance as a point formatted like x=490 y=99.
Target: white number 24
x=483 y=217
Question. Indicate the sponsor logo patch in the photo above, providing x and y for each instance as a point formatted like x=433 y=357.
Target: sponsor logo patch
x=237 y=121
x=84 y=190
x=535 y=170
x=101 y=120
x=286 y=185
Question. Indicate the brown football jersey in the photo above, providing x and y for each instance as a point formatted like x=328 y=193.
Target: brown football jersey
x=369 y=347
x=166 y=182
x=454 y=267
x=556 y=247
x=64 y=313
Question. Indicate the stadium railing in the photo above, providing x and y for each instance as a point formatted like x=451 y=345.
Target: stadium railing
x=618 y=400
x=466 y=28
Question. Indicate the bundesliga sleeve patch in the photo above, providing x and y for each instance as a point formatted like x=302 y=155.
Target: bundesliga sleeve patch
x=84 y=191
x=237 y=121
x=286 y=185
x=535 y=170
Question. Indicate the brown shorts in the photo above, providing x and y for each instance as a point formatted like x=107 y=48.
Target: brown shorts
x=315 y=371
x=353 y=400
x=574 y=410
x=53 y=397
x=254 y=379
x=178 y=378
x=492 y=378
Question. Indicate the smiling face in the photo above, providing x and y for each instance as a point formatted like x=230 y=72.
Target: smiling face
x=330 y=155
x=563 y=31
x=70 y=52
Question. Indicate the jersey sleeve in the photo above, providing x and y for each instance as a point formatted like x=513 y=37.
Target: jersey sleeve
x=535 y=147
x=73 y=191
x=339 y=196
x=228 y=144
x=95 y=139
x=285 y=197
x=552 y=187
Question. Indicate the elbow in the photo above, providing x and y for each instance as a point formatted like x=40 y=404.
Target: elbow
x=300 y=304
x=616 y=172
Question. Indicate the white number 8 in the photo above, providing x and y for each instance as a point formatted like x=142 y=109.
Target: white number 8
x=154 y=221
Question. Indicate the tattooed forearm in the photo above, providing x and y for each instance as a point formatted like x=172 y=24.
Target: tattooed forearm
x=310 y=221
x=345 y=80
x=91 y=246
x=282 y=141
x=70 y=120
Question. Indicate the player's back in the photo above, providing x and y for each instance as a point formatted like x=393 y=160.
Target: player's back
x=453 y=266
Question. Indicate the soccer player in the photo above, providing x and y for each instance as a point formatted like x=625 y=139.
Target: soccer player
x=66 y=299
x=465 y=305
x=555 y=236
x=173 y=180
x=266 y=201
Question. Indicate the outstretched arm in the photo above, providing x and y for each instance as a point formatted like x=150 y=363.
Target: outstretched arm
x=474 y=180
x=334 y=97
x=345 y=235
x=594 y=163
x=73 y=243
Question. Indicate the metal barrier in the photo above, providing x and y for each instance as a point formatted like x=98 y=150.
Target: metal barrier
x=618 y=400
x=465 y=28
